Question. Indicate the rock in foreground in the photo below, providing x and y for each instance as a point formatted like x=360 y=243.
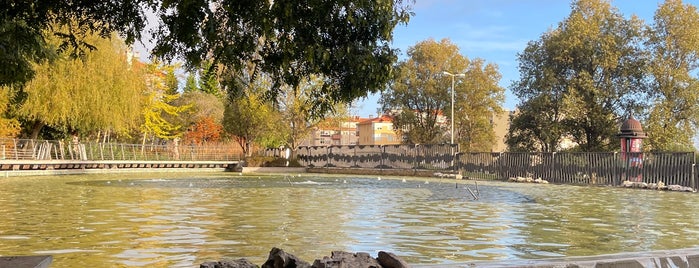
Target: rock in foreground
x=338 y=259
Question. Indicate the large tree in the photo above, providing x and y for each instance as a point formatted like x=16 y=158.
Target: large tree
x=592 y=67
x=99 y=92
x=23 y=25
x=477 y=105
x=420 y=96
x=347 y=42
x=420 y=93
x=673 y=42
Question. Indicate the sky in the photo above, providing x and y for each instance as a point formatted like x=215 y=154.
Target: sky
x=493 y=30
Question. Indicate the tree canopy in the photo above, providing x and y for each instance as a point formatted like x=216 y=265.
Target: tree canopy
x=346 y=42
x=420 y=96
x=102 y=91
x=673 y=42
x=584 y=75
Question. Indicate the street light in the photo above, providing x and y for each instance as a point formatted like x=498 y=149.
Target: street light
x=452 y=101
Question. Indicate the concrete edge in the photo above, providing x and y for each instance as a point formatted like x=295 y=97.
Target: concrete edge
x=274 y=170
x=687 y=257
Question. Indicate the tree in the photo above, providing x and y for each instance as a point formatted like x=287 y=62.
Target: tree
x=251 y=120
x=202 y=106
x=24 y=41
x=205 y=130
x=346 y=42
x=100 y=92
x=157 y=109
x=208 y=79
x=673 y=41
x=421 y=93
x=9 y=127
x=535 y=126
x=172 y=84
x=190 y=84
x=592 y=65
x=294 y=106
x=477 y=106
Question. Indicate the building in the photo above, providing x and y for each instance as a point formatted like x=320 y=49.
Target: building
x=501 y=125
x=378 y=131
x=334 y=134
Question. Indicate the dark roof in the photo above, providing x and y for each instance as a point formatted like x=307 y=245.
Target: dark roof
x=632 y=128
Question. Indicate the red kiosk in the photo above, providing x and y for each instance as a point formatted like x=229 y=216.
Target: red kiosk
x=632 y=135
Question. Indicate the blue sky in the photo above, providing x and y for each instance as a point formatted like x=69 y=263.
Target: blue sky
x=494 y=30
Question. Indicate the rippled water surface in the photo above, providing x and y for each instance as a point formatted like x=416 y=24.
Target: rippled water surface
x=182 y=220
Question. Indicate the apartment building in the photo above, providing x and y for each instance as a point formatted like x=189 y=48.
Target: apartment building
x=378 y=131
x=329 y=134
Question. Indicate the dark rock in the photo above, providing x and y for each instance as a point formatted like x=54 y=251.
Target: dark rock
x=239 y=263
x=341 y=259
x=280 y=259
x=390 y=260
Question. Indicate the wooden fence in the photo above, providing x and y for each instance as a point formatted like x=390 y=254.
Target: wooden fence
x=606 y=168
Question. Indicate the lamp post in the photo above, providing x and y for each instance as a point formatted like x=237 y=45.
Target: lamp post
x=452 y=101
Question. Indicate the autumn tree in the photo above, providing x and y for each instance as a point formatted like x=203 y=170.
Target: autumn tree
x=251 y=121
x=592 y=67
x=205 y=130
x=9 y=126
x=158 y=109
x=99 y=92
x=673 y=42
x=476 y=106
x=420 y=93
x=421 y=96
x=347 y=42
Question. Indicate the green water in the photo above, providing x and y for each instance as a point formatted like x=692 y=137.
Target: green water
x=182 y=220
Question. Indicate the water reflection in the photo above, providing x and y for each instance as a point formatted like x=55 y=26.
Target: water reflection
x=181 y=220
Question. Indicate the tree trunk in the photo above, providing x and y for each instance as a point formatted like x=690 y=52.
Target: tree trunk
x=36 y=129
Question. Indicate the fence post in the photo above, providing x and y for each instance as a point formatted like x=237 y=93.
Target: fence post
x=383 y=155
x=694 y=178
x=499 y=167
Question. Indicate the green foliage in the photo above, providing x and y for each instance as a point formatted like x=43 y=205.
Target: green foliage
x=202 y=106
x=208 y=79
x=190 y=84
x=157 y=109
x=592 y=72
x=421 y=95
x=251 y=120
x=269 y=161
x=673 y=41
x=102 y=91
x=171 y=81
x=347 y=43
x=23 y=42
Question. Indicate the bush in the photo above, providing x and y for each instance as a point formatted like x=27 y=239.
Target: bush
x=269 y=161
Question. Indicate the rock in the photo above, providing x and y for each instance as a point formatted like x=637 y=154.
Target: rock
x=341 y=259
x=390 y=260
x=239 y=263
x=280 y=259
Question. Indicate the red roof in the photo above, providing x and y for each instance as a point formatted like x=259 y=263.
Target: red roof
x=380 y=119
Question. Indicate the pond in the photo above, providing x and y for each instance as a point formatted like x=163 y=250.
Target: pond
x=184 y=219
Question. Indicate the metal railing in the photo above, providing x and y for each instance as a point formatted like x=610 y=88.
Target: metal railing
x=25 y=149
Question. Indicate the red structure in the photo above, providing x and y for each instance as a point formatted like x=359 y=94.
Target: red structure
x=631 y=136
